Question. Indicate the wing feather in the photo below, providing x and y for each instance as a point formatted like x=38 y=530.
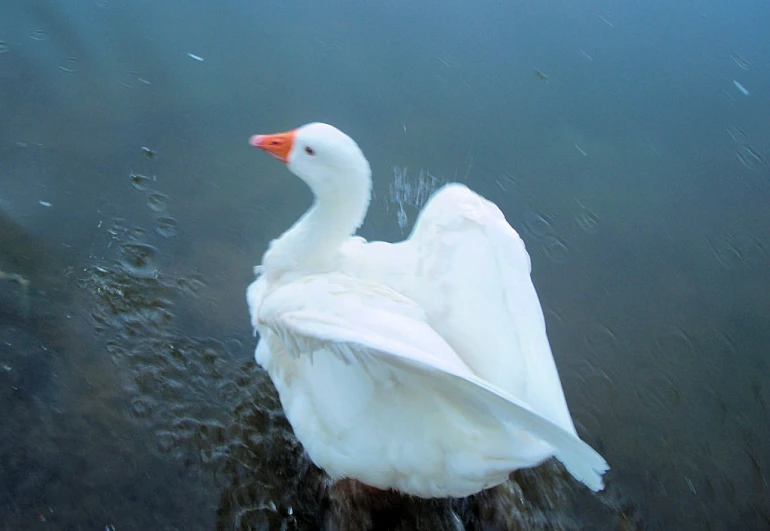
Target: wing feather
x=476 y=288
x=368 y=325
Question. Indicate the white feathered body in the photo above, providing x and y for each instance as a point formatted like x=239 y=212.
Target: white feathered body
x=422 y=366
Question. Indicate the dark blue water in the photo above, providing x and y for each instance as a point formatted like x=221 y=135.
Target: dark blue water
x=628 y=143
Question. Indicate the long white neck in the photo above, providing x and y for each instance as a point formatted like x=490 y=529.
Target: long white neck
x=312 y=244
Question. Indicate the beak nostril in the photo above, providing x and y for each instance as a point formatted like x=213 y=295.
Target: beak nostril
x=278 y=145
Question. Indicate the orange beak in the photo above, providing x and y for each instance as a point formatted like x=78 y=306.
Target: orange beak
x=277 y=145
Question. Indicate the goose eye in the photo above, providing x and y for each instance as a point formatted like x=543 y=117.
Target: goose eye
x=309 y=150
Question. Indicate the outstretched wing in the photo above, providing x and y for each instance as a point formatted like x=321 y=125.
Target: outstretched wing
x=369 y=326
x=470 y=272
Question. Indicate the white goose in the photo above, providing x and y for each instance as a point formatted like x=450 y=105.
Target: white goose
x=421 y=366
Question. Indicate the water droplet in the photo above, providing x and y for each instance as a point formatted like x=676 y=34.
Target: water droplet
x=733 y=251
x=148 y=153
x=600 y=340
x=554 y=314
x=406 y=192
x=507 y=182
x=657 y=395
x=587 y=421
x=402 y=218
x=140 y=182
x=721 y=346
x=742 y=63
x=724 y=251
x=587 y=220
x=595 y=381
x=166 y=227
x=674 y=347
x=749 y=158
x=556 y=250
x=38 y=35
x=536 y=225
x=138 y=259
x=4 y=48
x=157 y=202
x=70 y=66
x=737 y=134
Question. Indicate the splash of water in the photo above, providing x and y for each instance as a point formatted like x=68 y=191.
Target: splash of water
x=410 y=194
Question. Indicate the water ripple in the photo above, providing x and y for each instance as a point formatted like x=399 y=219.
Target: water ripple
x=157 y=202
x=211 y=408
x=141 y=182
x=166 y=226
x=139 y=259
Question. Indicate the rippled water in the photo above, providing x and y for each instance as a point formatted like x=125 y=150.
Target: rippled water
x=613 y=137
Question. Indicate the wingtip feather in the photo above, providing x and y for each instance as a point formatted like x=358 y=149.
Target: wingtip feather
x=585 y=465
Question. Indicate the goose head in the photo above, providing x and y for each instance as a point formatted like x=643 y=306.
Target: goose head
x=325 y=158
x=338 y=174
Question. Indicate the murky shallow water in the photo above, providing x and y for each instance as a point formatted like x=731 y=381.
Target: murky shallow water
x=132 y=211
x=219 y=416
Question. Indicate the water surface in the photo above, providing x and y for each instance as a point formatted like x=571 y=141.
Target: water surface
x=628 y=145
